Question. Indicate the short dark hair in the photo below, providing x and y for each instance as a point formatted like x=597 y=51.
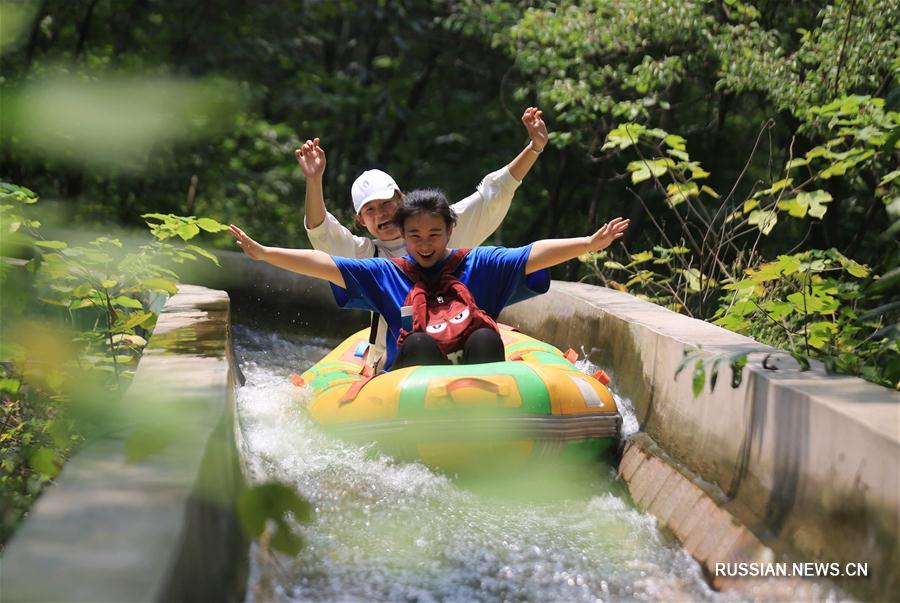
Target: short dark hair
x=429 y=201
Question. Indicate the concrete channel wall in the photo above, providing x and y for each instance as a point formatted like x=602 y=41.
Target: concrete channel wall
x=161 y=527
x=809 y=462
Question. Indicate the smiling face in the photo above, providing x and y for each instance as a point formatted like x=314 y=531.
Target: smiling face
x=378 y=215
x=426 y=237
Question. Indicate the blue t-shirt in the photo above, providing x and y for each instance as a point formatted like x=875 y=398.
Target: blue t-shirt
x=494 y=275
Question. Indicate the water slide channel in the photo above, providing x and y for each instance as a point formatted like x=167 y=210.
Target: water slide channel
x=388 y=531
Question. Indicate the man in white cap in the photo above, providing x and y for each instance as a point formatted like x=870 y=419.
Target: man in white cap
x=376 y=196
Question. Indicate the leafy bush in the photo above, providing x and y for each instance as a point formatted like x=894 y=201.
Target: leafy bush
x=814 y=303
x=75 y=319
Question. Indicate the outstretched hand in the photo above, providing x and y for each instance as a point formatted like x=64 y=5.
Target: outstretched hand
x=311 y=158
x=608 y=233
x=537 y=129
x=247 y=245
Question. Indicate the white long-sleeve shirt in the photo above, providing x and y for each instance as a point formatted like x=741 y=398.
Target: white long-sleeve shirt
x=478 y=216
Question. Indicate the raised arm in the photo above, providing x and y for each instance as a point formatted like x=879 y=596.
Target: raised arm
x=311 y=158
x=537 y=132
x=303 y=261
x=550 y=252
x=481 y=213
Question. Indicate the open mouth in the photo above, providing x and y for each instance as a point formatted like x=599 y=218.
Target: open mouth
x=425 y=256
x=384 y=225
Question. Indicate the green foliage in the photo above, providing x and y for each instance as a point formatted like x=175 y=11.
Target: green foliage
x=705 y=363
x=36 y=436
x=115 y=122
x=75 y=319
x=819 y=304
x=810 y=302
x=135 y=107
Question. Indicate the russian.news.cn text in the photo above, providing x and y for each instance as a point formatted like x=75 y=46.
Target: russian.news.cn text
x=809 y=569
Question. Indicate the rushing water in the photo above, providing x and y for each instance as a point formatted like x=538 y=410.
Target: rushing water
x=388 y=531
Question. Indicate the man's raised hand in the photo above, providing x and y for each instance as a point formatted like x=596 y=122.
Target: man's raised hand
x=537 y=129
x=311 y=158
x=608 y=233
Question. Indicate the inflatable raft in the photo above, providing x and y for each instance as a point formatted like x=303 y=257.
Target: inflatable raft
x=535 y=404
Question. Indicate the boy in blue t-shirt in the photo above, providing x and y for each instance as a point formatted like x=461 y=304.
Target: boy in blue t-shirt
x=495 y=276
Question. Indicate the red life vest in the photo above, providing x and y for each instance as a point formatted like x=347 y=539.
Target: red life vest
x=442 y=306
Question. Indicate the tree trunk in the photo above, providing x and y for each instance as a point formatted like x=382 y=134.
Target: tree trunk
x=85 y=30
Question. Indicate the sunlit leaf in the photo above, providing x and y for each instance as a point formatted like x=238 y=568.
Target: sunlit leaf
x=835 y=169
x=210 y=225
x=204 y=253
x=889 y=177
x=776 y=186
x=793 y=163
x=10 y=385
x=187 y=231
x=795 y=207
x=692 y=276
x=709 y=191
x=764 y=220
x=816 y=201
x=643 y=256
x=128 y=302
x=624 y=136
x=778 y=310
x=45 y=461
x=678 y=192
x=51 y=244
x=675 y=141
x=134 y=320
x=161 y=284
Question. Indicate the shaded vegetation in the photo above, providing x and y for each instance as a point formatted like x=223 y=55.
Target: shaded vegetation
x=753 y=144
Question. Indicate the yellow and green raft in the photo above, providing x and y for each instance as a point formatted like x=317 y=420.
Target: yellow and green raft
x=536 y=404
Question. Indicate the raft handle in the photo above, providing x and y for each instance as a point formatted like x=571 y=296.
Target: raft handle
x=602 y=377
x=447 y=389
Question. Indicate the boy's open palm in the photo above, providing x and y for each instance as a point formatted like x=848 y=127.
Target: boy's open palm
x=311 y=158
x=608 y=233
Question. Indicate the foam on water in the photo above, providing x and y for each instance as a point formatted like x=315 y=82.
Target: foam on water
x=389 y=531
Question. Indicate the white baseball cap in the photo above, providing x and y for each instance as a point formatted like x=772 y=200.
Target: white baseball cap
x=372 y=185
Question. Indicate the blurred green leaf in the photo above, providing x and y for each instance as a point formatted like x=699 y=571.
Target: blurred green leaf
x=51 y=244
x=113 y=121
x=161 y=284
x=272 y=501
x=148 y=440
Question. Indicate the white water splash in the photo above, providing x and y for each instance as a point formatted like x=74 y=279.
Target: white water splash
x=388 y=531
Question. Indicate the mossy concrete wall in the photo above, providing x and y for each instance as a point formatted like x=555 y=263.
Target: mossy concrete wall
x=809 y=461
x=161 y=526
